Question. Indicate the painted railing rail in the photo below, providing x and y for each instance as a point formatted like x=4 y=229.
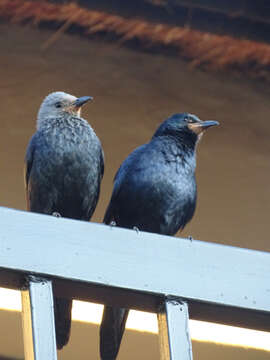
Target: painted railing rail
x=174 y=277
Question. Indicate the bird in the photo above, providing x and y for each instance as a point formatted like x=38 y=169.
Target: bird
x=155 y=191
x=64 y=166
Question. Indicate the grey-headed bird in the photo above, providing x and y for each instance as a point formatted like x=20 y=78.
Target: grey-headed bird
x=64 y=166
x=155 y=191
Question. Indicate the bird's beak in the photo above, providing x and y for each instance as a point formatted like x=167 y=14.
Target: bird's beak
x=78 y=103
x=201 y=126
x=208 y=123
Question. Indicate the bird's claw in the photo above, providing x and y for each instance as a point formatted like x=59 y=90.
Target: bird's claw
x=56 y=214
x=136 y=229
x=112 y=223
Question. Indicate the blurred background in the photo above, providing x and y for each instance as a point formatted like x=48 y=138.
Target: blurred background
x=142 y=61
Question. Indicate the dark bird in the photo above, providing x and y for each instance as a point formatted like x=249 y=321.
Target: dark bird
x=154 y=190
x=64 y=167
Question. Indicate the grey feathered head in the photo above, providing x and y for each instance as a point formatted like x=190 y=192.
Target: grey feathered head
x=59 y=104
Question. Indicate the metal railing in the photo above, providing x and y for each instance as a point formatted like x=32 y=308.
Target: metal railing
x=176 y=278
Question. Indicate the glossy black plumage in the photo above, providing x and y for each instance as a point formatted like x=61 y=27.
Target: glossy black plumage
x=154 y=190
x=64 y=168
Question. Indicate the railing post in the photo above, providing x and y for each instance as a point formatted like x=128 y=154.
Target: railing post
x=38 y=320
x=174 y=337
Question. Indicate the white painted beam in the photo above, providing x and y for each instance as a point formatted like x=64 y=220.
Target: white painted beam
x=38 y=320
x=174 y=335
x=219 y=279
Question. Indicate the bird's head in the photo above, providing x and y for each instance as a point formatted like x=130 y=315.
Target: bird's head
x=58 y=104
x=184 y=126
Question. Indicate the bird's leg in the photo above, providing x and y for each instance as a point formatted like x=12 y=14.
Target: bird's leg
x=56 y=214
x=136 y=229
x=112 y=223
x=190 y=238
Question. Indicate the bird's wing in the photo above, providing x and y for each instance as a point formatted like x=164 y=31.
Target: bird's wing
x=101 y=163
x=108 y=217
x=119 y=179
x=28 y=162
x=109 y=214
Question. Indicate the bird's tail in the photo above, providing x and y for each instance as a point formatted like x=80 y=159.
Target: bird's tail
x=62 y=313
x=111 y=331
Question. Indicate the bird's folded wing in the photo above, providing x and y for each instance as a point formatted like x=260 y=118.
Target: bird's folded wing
x=28 y=162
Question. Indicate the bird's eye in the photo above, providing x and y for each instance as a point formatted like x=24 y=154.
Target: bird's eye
x=58 y=105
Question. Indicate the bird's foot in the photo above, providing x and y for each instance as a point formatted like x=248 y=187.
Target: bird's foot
x=112 y=223
x=56 y=214
x=136 y=229
x=190 y=238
